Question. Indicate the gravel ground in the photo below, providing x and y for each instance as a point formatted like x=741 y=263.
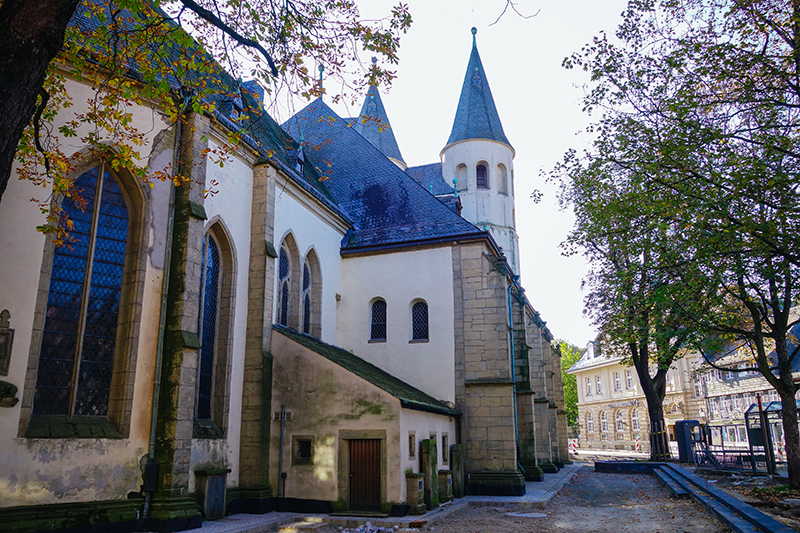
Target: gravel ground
x=592 y=503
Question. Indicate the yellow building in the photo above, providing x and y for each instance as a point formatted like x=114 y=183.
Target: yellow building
x=612 y=409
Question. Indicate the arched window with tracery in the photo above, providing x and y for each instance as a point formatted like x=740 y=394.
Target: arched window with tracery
x=378 y=320
x=482 y=176
x=207 y=324
x=419 y=321
x=284 y=286
x=76 y=358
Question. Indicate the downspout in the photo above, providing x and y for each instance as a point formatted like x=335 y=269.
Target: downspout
x=281 y=484
x=151 y=467
x=514 y=367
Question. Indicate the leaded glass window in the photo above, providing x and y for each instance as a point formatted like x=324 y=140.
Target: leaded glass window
x=306 y=299
x=207 y=325
x=482 y=176
x=284 y=269
x=378 y=332
x=419 y=321
x=76 y=360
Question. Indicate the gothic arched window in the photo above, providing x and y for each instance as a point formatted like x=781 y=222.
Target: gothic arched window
x=306 y=299
x=378 y=321
x=207 y=321
x=76 y=360
x=482 y=176
x=419 y=321
x=284 y=285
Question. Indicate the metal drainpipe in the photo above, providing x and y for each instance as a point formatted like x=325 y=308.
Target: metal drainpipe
x=162 y=319
x=281 y=493
x=513 y=367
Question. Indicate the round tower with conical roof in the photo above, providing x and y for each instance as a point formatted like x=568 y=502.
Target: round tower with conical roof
x=480 y=161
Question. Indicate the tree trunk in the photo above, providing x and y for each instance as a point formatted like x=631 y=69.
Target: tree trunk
x=31 y=34
x=659 y=441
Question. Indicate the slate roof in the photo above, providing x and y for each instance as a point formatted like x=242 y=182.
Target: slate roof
x=410 y=397
x=476 y=115
x=431 y=175
x=373 y=124
x=585 y=362
x=386 y=206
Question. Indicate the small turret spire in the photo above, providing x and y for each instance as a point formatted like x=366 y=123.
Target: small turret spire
x=474 y=30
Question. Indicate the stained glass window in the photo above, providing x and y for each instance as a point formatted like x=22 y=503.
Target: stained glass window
x=283 y=287
x=207 y=325
x=419 y=321
x=306 y=299
x=76 y=360
x=378 y=320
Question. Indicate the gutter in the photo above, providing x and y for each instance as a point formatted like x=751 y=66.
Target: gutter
x=416 y=406
x=482 y=235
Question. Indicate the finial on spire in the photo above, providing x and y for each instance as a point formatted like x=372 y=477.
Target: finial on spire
x=320 y=68
x=474 y=30
x=374 y=60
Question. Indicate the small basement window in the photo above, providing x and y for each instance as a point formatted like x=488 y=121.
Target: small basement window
x=302 y=450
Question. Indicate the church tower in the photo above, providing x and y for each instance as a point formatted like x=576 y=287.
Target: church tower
x=481 y=160
x=373 y=124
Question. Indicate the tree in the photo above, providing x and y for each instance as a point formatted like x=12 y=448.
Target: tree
x=700 y=101
x=570 y=354
x=632 y=294
x=140 y=51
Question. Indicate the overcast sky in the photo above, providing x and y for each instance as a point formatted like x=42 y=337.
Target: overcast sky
x=539 y=103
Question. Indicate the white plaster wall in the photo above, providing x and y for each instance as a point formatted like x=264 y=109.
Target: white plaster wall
x=424 y=426
x=486 y=207
x=231 y=205
x=294 y=214
x=401 y=278
x=42 y=471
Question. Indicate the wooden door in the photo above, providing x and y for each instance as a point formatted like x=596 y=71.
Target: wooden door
x=365 y=475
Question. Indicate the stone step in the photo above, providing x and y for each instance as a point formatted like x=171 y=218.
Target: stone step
x=677 y=490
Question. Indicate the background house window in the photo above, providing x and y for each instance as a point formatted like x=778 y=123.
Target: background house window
x=482 y=176
x=78 y=347
x=628 y=379
x=599 y=384
x=588 y=386
x=412 y=444
x=207 y=325
x=445 y=449
x=603 y=422
x=378 y=329
x=419 y=321
x=635 y=420
x=590 y=423
x=617 y=381
x=304 y=451
x=620 y=421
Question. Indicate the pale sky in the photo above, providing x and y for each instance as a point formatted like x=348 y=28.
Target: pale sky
x=539 y=103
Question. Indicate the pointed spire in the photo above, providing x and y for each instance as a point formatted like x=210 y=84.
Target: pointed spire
x=476 y=116
x=373 y=124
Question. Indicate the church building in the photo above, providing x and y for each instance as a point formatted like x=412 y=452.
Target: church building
x=328 y=332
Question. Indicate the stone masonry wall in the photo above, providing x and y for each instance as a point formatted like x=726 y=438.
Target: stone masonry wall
x=484 y=387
